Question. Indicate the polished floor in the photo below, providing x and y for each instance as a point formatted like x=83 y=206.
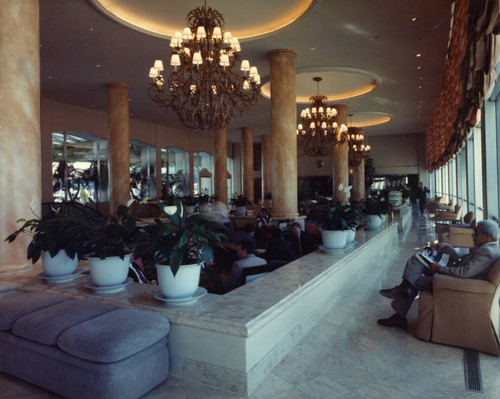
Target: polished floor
x=347 y=355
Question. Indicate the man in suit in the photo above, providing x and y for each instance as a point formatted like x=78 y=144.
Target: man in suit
x=417 y=277
x=301 y=241
x=247 y=258
x=422 y=197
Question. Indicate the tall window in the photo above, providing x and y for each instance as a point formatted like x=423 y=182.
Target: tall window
x=203 y=173
x=142 y=170
x=79 y=167
x=230 y=171
x=174 y=172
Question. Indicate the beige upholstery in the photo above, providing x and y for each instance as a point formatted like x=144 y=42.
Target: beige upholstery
x=462 y=312
x=459 y=236
x=455 y=215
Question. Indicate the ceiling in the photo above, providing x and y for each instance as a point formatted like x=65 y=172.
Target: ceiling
x=356 y=46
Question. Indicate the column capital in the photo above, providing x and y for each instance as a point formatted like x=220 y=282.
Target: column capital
x=118 y=85
x=281 y=51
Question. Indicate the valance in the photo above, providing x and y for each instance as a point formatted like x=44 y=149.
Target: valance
x=468 y=73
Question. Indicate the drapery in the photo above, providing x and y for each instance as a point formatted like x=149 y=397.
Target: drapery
x=468 y=73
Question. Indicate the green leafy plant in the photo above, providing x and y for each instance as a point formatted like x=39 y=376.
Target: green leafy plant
x=65 y=231
x=240 y=200
x=184 y=239
x=375 y=205
x=119 y=237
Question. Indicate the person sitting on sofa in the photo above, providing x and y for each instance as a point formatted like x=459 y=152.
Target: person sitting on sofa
x=247 y=258
x=417 y=277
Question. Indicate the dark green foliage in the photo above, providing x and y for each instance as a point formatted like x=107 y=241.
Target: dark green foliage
x=65 y=231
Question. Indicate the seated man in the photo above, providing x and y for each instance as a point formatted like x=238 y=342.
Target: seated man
x=279 y=248
x=301 y=241
x=417 y=277
x=248 y=234
x=247 y=259
x=264 y=219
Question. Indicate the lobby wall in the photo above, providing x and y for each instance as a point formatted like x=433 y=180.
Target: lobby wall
x=58 y=117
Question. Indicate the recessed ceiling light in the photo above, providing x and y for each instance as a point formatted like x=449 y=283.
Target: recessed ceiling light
x=419 y=87
x=91 y=28
x=414 y=19
x=419 y=67
x=97 y=65
x=421 y=78
x=419 y=55
x=312 y=48
x=49 y=77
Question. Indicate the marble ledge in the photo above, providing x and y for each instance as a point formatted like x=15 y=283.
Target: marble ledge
x=240 y=312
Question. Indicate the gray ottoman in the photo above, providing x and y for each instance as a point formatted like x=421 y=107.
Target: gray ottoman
x=82 y=348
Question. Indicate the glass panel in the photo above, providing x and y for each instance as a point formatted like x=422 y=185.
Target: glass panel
x=478 y=174
x=75 y=171
x=230 y=170
x=142 y=170
x=174 y=172
x=203 y=185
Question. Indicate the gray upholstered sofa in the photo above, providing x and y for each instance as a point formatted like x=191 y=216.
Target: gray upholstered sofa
x=82 y=348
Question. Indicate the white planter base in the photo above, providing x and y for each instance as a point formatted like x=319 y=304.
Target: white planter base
x=373 y=222
x=109 y=271
x=183 y=285
x=334 y=239
x=59 y=265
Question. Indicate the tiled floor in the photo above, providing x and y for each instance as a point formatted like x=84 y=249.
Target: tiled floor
x=347 y=355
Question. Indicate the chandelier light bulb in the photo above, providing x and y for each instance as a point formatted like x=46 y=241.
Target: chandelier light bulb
x=300 y=126
x=312 y=125
x=227 y=37
x=158 y=65
x=245 y=66
x=153 y=72
x=217 y=33
x=197 y=60
x=224 y=60
x=187 y=34
x=200 y=33
x=246 y=85
x=253 y=71
x=256 y=79
x=334 y=112
x=334 y=125
x=313 y=110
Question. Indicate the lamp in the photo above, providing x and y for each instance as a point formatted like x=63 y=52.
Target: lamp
x=358 y=151
x=203 y=90
x=319 y=131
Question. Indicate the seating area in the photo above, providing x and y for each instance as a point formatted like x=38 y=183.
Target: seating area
x=82 y=348
x=462 y=312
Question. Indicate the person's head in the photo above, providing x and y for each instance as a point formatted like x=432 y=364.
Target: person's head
x=276 y=233
x=296 y=228
x=263 y=212
x=421 y=184
x=245 y=248
x=249 y=229
x=485 y=231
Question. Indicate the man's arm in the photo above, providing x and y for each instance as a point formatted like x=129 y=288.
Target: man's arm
x=471 y=266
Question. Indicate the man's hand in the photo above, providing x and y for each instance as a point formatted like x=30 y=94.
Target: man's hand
x=435 y=266
x=439 y=246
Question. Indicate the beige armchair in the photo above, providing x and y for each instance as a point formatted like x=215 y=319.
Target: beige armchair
x=460 y=227
x=462 y=312
x=450 y=216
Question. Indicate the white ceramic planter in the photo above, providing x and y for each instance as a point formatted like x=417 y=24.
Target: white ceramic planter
x=241 y=210
x=109 y=271
x=189 y=209
x=59 y=265
x=373 y=222
x=334 y=239
x=351 y=235
x=183 y=285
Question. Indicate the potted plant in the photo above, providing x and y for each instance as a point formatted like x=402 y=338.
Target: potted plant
x=334 y=225
x=268 y=197
x=181 y=245
x=59 y=240
x=374 y=206
x=189 y=203
x=353 y=216
x=111 y=247
x=240 y=202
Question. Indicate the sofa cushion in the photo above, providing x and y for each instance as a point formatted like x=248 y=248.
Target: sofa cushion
x=45 y=325
x=13 y=307
x=114 y=335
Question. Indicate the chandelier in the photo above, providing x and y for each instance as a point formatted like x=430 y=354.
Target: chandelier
x=319 y=132
x=203 y=90
x=358 y=151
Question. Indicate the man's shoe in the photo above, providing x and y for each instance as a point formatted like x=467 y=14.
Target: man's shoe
x=394 y=321
x=397 y=292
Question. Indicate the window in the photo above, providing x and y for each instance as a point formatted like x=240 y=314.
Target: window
x=230 y=171
x=203 y=169
x=142 y=170
x=174 y=172
x=79 y=167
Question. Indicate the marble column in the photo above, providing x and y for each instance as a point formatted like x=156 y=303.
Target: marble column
x=340 y=158
x=20 y=134
x=247 y=152
x=118 y=145
x=267 y=164
x=220 y=165
x=283 y=133
x=358 y=189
